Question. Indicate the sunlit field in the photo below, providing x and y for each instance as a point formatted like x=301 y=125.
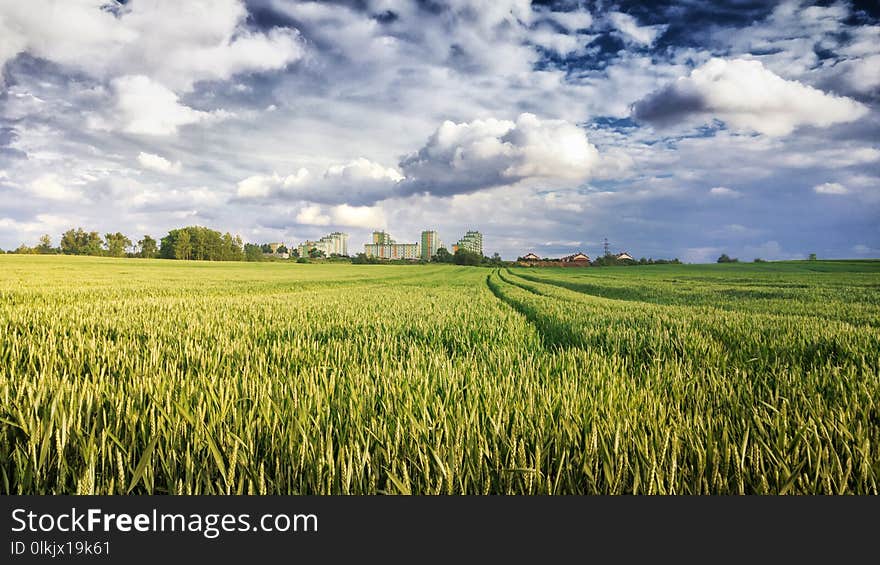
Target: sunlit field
x=173 y=377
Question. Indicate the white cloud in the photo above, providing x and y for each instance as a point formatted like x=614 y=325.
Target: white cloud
x=175 y=43
x=724 y=192
x=701 y=254
x=312 y=216
x=746 y=96
x=458 y=158
x=830 y=188
x=50 y=186
x=153 y=199
x=262 y=186
x=770 y=250
x=862 y=75
x=359 y=181
x=572 y=21
x=630 y=30
x=831 y=157
x=464 y=157
x=561 y=43
x=143 y=106
x=361 y=170
x=158 y=163
x=358 y=216
x=369 y=217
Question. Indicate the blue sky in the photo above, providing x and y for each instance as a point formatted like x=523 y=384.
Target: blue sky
x=674 y=129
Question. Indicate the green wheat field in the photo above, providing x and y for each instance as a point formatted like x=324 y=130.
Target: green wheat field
x=172 y=377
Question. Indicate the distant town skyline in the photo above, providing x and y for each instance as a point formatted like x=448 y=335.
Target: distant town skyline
x=673 y=129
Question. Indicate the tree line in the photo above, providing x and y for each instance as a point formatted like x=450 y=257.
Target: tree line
x=204 y=244
x=192 y=242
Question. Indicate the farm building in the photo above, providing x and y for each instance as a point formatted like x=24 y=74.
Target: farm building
x=576 y=258
x=624 y=257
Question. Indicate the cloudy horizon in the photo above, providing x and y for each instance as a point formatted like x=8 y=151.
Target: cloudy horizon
x=674 y=129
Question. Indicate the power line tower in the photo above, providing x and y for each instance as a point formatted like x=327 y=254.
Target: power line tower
x=607 y=252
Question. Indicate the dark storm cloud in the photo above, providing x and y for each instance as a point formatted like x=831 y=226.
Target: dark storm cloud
x=668 y=106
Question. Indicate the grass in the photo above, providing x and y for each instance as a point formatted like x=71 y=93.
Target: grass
x=159 y=377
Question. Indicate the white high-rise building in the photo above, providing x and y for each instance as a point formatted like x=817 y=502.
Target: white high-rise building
x=335 y=243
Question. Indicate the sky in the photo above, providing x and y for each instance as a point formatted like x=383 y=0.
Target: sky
x=673 y=129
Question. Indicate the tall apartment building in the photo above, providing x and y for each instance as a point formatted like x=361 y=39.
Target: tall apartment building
x=384 y=247
x=472 y=241
x=392 y=250
x=430 y=244
x=382 y=238
x=335 y=243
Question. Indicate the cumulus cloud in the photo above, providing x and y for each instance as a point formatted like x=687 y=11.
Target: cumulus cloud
x=263 y=186
x=861 y=75
x=465 y=157
x=51 y=187
x=175 y=43
x=630 y=31
x=572 y=21
x=724 y=192
x=562 y=43
x=368 y=217
x=360 y=181
x=700 y=254
x=158 y=163
x=143 y=106
x=358 y=216
x=312 y=216
x=771 y=250
x=458 y=158
x=745 y=96
x=830 y=188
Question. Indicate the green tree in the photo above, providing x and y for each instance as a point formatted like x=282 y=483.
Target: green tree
x=724 y=258
x=315 y=253
x=45 y=246
x=201 y=243
x=252 y=252
x=183 y=245
x=231 y=248
x=281 y=249
x=116 y=244
x=149 y=247
x=363 y=259
x=80 y=242
x=443 y=256
x=463 y=257
x=812 y=257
